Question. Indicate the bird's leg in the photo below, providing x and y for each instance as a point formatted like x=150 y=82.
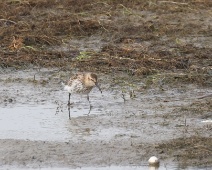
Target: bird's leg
x=69 y=112
x=69 y=104
x=89 y=104
x=69 y=99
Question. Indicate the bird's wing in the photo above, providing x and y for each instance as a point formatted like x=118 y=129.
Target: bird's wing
x=75 y=84
x=75 y=77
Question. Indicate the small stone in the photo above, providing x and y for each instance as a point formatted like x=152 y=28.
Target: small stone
x=10 y=100
x=153 y=161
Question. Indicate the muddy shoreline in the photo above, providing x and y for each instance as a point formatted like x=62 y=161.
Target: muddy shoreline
x=166 y=123
x=153 y=60
x=37 y=154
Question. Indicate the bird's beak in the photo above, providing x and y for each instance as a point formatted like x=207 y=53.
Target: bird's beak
x=98 y=87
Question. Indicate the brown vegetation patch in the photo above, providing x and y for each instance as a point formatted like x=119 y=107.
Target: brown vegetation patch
x=192 y=148
x=139 y=37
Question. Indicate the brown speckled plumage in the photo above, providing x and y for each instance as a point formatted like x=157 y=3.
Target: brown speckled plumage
x=82 y=83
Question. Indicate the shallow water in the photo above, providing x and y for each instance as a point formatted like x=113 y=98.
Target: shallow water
x=32 y=122
x=42 y=122
x=38 y=111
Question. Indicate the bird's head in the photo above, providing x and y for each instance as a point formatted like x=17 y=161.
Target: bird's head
x=92 y=81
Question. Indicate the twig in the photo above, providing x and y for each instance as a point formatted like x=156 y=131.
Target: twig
x=123 y=97
x=9 y=21
x=208 y=95
x=172 y=2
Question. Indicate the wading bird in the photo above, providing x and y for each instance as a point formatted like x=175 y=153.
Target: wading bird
x=81 y=83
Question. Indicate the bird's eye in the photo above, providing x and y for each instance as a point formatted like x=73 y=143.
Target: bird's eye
x=93 y=80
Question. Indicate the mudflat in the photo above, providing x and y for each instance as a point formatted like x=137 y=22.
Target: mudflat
x=153 y=60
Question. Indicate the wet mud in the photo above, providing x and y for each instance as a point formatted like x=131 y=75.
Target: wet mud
x=125 y=127
x=153 y=60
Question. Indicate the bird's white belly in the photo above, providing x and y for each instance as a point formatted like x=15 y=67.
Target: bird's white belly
x=75 y=87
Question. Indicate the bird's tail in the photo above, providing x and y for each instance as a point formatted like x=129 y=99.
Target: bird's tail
x=65 y=87
x=63 y=84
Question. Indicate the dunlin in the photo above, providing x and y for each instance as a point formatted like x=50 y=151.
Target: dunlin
x=82 y=83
